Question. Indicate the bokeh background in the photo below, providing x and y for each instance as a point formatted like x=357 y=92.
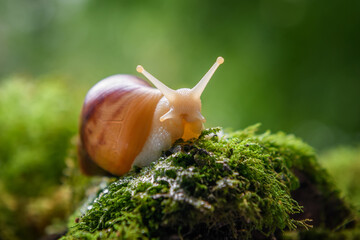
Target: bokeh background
x=292 y=65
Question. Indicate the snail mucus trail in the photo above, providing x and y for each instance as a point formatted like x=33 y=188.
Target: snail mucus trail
x=125 y=122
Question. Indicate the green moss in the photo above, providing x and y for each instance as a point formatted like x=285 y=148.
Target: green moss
x=37 y=121
x=237 y=187
x=36 y=124
x=343 y=163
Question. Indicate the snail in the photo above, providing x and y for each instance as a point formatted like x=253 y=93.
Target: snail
x=125 y=122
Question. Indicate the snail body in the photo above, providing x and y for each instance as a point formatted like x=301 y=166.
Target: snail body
x=125 y=122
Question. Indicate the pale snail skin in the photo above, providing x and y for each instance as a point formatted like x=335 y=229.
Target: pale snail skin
x=138 y=123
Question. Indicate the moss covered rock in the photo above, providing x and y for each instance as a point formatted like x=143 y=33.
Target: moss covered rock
x=234 y=187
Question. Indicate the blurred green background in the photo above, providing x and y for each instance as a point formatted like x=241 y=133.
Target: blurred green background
x=293 y=65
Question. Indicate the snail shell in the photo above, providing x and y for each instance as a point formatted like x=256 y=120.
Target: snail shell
x=125 y=122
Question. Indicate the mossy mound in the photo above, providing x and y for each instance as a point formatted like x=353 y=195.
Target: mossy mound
x=37 y=120
x=237 y=187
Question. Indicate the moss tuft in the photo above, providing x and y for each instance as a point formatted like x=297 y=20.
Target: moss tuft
x=237 y=187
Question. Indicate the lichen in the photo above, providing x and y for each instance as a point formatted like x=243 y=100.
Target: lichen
x=234 y=187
